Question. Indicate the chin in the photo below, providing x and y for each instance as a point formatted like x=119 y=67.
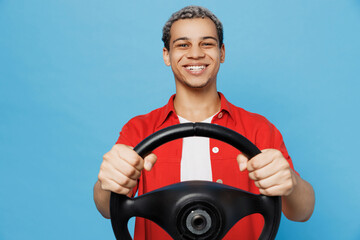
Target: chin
x=197 y=86
x=196 y=83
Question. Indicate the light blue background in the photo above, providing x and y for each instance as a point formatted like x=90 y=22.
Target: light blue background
x=72 y=72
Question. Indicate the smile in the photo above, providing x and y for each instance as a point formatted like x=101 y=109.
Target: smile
x=195 y=68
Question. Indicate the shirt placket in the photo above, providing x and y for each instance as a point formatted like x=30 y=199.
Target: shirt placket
x=215 y=147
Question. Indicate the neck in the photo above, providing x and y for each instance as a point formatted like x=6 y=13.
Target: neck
x=197 y=105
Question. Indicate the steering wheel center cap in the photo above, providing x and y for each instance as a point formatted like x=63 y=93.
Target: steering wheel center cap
x=199 y=220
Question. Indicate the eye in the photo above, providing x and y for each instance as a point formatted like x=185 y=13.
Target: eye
x=182 y=45
x=208 y=44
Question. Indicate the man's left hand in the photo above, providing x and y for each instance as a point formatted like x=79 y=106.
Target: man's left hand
x=270 y=171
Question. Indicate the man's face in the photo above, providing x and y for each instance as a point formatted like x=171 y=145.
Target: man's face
x=194 y=54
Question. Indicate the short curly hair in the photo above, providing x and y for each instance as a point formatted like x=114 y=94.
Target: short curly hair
x=191 y=12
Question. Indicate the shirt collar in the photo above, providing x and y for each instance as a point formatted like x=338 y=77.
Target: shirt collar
x=169 y=110
x=225 y=105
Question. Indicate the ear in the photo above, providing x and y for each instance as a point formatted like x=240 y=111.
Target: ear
x=222 y=53
x=166 y=57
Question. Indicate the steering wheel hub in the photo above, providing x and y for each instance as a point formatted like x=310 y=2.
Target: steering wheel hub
x=199 y=220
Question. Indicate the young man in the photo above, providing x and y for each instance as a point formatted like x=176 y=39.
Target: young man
x=194 y=49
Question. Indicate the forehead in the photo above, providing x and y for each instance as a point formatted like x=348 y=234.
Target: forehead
x=193 y=29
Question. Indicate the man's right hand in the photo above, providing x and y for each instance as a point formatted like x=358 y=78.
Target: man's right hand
x=121 y=168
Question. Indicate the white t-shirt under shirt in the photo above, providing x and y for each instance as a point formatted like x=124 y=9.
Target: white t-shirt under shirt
x=195 y=158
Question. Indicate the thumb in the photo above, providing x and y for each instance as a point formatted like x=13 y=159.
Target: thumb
x=149 y=161
x=242 y=161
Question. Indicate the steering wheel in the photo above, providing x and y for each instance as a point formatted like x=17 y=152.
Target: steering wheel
x=195 y=209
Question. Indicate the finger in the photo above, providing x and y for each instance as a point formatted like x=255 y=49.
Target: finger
x=277 y=190
x=279 y=184
x=121 y=179
x=270 y=181
x=242 y=161
x=112 y=186
x=129 y=155
x=259 y=161
x=265 y=172
x=110 y=173
x=149 y=161
x=125 y=168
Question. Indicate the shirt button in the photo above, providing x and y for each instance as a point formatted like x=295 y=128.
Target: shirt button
x=215 y=149
x=219 y=181
x=220 y=115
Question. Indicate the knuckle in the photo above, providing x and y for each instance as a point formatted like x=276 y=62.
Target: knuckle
x=126 y=191
x=134 y=160
x=132 y=172
x=118 y=189
x=277 y=152
x=101 y=177
x=137 y=160
x=285 y=164
x=254 y=164
x=124 y=181
x=103 y=187
x=102 y=167
x=287 y=175
x=281 y=165
x=257 y=175
x=117 y=147
x=289 y=185
x=251 y=176
x=103 y=170
x=265 y=192
x=106 y=156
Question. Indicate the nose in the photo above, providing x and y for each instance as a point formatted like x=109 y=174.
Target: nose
x=195 y=52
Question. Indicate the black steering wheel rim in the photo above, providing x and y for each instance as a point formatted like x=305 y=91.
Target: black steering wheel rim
x=123 y=208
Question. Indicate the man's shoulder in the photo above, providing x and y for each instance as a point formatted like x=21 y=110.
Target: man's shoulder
x=150 y=118
x=140 y=126
x=249 y=117
x=257 y=128
x=242 y=116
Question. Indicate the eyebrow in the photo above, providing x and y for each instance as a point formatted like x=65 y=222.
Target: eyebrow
x=203 y=38
x=179 y=39
x=209 y=37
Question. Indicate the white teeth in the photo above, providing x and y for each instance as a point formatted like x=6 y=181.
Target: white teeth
x=195 y=68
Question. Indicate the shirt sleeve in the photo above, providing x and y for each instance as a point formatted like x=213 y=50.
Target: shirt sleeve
x=270 y=137
x=127 y=136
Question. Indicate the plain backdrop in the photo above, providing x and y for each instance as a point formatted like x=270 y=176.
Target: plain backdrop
x=73 y=72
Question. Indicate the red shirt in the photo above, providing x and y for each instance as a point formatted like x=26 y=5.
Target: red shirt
x=224 y=166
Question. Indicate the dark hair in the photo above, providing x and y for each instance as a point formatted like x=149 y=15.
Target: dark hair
x=191 y=12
